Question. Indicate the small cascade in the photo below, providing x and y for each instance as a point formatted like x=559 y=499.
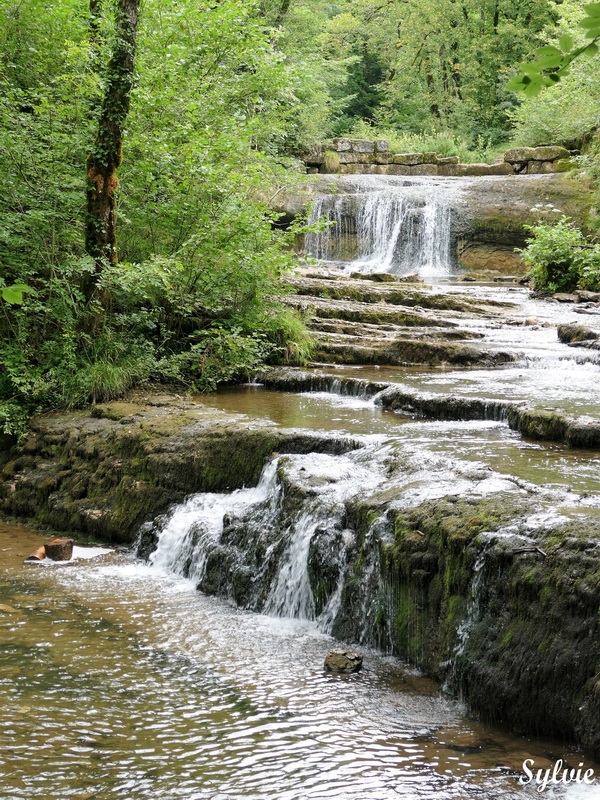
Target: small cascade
x=473 y=614
x=195 y=526
x=284 y=559
x=291 y=595
x=386 y=224
x=289 y=546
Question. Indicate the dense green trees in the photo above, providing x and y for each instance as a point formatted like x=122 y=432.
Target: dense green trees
x=172 y=276
x=190 y=297
x=445 y=62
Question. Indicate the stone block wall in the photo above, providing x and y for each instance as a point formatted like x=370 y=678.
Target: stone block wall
x=345 y=156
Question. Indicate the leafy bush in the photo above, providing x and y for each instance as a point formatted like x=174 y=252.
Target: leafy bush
x=220 y=355
x=560 y=258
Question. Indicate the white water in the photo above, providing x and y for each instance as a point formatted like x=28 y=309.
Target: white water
x=195 y=527
x=197 y=524
x=387 y=224
x=254 y=530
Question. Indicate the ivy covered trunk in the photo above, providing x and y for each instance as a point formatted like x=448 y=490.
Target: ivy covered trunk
x=103 y=161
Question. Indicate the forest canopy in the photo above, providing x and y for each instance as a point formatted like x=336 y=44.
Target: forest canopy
x=191 y=115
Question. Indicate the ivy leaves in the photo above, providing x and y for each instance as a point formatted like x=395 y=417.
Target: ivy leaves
x=552 y=63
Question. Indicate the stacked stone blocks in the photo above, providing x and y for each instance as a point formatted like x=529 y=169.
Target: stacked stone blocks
x=347 y=156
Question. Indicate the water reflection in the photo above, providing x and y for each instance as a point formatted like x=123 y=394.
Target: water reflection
x=491 y=442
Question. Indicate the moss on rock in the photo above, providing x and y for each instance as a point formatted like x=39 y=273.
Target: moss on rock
x=104 y=472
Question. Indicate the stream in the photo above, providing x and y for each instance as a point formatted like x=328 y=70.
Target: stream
x=122 y=681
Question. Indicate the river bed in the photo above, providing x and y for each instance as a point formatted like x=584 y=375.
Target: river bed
x=122 y=682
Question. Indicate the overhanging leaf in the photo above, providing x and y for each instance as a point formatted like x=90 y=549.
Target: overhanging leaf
x=548 y=50
x=565 y=42
x=534 y=88
x=14 y=294
x=550 y=62
x=591 y=24
x=518 y=83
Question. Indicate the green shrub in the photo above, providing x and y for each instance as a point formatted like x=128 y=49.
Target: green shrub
x=219 y=356
x=13 y=419
x=560 y=258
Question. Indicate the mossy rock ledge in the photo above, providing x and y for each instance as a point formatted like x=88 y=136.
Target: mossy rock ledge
x=103 y=472
x=511 y=623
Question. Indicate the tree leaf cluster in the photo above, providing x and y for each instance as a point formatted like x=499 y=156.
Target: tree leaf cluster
x=553 y=63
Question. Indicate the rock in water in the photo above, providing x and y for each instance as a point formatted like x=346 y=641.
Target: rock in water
x=570 y=333
x=343 y=661
x=39 y=555
x=59 y=549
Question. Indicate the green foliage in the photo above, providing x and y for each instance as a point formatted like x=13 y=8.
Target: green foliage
x=566 y=112
x=290 y=341
x=560 y=258
x=442 y=142
x=13 y=419
x=331 y=161
x=363 y=93
x=552 y=63
x=220 y=355
x=444 y=64
x=14 y=293
x=193 y=297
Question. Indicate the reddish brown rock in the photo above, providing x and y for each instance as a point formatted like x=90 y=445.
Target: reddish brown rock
x=39 y=555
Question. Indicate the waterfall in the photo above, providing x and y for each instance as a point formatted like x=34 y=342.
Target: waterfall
x=387 y=224
x=196 y=526
x=288 y=547
x=259 y=547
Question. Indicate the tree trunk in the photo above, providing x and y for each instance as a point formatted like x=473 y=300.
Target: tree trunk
x=282 y=13
x=106 y=156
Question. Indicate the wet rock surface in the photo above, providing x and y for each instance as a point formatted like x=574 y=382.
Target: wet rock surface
x=569 y=334
x=344 y=661
x=485 y=586
x=357 y=322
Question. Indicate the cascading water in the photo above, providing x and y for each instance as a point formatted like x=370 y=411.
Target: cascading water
x=387 y=224
x=263 y=551
x=285 y=547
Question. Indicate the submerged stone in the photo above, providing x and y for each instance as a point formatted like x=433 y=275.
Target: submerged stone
x=344 y=661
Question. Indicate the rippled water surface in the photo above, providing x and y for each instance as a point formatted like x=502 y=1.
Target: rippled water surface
x=121 y=683
x=489 y=442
